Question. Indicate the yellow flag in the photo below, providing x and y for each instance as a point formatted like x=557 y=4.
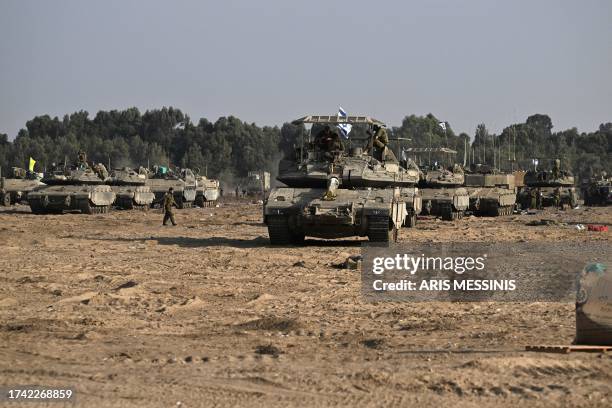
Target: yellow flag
x=32 y=162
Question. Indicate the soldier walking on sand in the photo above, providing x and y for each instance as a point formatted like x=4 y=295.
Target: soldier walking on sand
x=168 y=203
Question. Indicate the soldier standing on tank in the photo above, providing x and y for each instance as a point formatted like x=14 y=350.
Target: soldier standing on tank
x=168 y=203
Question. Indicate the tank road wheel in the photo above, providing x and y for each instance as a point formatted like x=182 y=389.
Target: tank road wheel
x=5 y=199
x=378 y=229
x=278 y=230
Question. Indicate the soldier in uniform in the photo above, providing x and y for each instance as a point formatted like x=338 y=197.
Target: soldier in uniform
x=556 y=171
x=557 y=197
x=538 y=199
x=82 y=159
x=534 y=199
x=168 y=203
x=378 y=143
x=329 y=142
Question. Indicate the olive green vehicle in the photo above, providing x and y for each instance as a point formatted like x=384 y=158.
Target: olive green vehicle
x=492 y=193
x=72 y=188
x=257 y=183
x=554 y=187
x=130 y=189
x=183 y=182
x=441 y=187
x=207 y=191
x=598 y=191
x=336 y=194
x=15 y=189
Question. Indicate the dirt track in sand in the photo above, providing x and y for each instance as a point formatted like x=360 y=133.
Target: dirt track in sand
x=132 y=314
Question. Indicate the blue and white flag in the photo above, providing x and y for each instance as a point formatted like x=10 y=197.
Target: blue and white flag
x=345 y=128
x=442 y=125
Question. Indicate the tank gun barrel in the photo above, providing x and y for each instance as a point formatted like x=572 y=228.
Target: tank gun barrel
x=332 y=186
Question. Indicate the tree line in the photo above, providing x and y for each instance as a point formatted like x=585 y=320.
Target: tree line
x=229 y=148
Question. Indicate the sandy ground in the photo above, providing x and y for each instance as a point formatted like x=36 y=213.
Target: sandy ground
x=132 y=314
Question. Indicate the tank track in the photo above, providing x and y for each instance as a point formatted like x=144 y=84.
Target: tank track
x=411 y=220
x=181 y=204
x=36 y=208
x=280 y=233
x=503 y=210
x=449 y=214
x=378 y=229
x=86 y=208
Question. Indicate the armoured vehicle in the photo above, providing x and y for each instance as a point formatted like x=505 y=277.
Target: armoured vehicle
x=441 y=187
x=332 y=193
x=548 y=187
x=73 y=188
x=16 y=188
x=257 y=183
x=207 y=191
x=129 y=186
x=598 y=191
x=183 y=182
x=491 y=192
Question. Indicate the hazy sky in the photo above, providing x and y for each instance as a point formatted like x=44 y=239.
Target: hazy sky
x=273 y=61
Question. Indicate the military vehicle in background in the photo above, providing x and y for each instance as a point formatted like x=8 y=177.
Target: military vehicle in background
x=183 y=182
x=332 y=193
x=548 y=188
x=130 y=189
x=207 y=191
x=441 y=188
x=598 y=191
x=15 y=188
x=77 y=187
x=491 y=192
x=257 y=183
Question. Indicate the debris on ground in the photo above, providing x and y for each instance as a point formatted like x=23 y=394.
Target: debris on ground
x=545 y=222
x=351 y=262
x=598 y=228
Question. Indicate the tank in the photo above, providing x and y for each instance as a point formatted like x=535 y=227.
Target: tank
x=183 y=182
x=207 y=191
x=130 y=189
x=339 y=193
x=73 y=188
x=14 y=189
x=491 y=192
x=547 y=188
x=598 y=191
x=443 y=192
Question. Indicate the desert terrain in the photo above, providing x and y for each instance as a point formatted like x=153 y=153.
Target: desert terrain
x=133 y=314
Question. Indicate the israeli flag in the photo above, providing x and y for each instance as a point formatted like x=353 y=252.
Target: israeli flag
x=443 y=125
x=345 y=128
